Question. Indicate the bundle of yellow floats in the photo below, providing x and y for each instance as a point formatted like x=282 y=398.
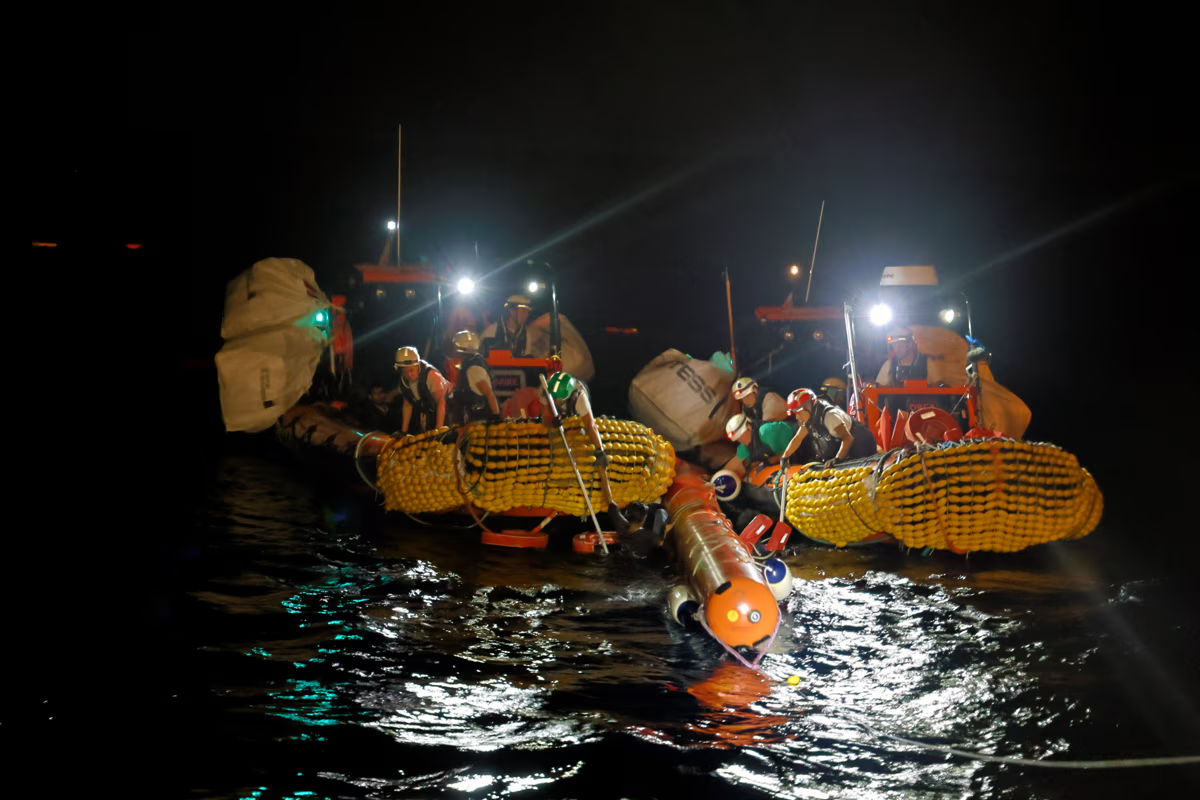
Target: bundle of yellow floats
x=975 y=494
x=499 y=466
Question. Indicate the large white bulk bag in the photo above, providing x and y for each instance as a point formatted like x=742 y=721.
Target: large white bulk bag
x=275 y=291
x=273 y=342
x=676 y=394
x=576 y=358
x=262 y=375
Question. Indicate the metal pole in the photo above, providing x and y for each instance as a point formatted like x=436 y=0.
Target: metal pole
x=587 y=498
x=812 y=265
x=400 y=167
x=855 y=386
x=729 y=306
x=555 y=330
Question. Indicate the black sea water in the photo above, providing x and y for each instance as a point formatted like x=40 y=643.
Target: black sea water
x=316 y=647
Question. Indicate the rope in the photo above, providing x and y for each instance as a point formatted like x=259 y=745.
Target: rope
x=358 y=464
x=762 y=652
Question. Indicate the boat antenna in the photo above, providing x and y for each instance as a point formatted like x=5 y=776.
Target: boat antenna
x=812 y=265
x=399 y=173
x=729 y=306
x=555 y=328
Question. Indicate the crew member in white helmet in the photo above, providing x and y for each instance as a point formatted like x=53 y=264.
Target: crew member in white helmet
x=757 y=405
x=422 y=390
x=473 y=397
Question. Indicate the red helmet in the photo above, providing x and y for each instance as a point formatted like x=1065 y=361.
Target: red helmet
x=798 y=399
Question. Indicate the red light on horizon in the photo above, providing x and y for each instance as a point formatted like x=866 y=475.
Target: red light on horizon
x=133 y=246
x=45 y=244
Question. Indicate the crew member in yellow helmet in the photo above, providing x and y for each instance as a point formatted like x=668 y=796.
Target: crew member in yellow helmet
x=511 y=334
x=422 y=390
x=473 y=397
x=833 y=390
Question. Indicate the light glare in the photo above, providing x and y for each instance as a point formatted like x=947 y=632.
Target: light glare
x=532 y=287
x=947 y=315
x=881 y=314
x=465 y=285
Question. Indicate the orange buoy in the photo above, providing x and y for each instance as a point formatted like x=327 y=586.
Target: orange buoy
x=516 y=538
x=932 y=425
x=588 y=542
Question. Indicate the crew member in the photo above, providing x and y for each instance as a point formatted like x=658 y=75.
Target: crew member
x=833 y=390
x=835 y=435
x=571 y=399
x=747 y=392
x=511 y=333
x=473 y=397
x=756 y=443
x=904 y=361
x=375 y=413
x=422 y=390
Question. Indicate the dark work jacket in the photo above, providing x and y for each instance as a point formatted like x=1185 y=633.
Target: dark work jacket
x=468 y=404
x=827 y=443
x=916 y=371
x=423 y=402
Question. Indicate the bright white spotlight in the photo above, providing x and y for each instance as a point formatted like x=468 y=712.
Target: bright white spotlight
x=532 y=287
x=947 y=315
x=881 y=314
x=391 y=224
x=794 y=270
x=465 y=285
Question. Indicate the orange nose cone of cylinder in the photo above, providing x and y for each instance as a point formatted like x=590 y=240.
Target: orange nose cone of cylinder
x=744 y=614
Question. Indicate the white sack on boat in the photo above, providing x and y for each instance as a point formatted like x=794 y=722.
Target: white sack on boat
x=675 y=395
x=576 y=358
x=272 y=345
x=275 y=291
x=262 y=375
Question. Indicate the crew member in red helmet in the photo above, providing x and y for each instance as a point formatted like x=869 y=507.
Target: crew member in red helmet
x=836 y=436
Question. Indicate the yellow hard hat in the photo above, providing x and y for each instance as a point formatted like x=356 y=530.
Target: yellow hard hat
x=466 y=340
x=518 y=301
x=407 y=357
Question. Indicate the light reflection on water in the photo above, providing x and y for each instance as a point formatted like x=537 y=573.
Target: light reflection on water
x=434 y=642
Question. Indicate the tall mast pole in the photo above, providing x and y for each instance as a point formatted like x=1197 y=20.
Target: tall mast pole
x=729 y=306
x=399 y=173
x=812 y=265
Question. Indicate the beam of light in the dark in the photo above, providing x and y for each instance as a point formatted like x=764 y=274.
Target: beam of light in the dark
x=1086 y=221
x=592 y=221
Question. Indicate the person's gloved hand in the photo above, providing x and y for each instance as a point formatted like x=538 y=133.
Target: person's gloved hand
x=784 y=464
x=601 y=458
x=829 y=463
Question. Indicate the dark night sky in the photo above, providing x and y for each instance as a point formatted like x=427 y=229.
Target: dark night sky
x=697 y=135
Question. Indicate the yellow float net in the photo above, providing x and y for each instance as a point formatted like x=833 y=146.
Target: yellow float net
x=498 y=466
x=990 y=494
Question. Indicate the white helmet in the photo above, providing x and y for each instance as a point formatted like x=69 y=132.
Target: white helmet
x=736 y=426
x=407 y=357
x=467 y=341
x=744 y=386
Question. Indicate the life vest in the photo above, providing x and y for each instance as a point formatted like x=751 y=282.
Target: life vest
x=422 y=400
x=468 y=403
x=918 y=370
x=827 y=443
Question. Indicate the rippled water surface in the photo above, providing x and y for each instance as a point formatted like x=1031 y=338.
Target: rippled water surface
x=320 y=648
